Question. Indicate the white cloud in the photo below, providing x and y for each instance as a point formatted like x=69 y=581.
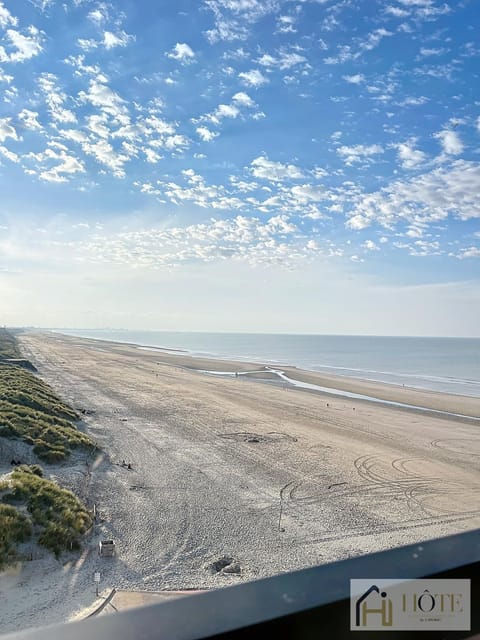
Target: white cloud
x=358 y=78
x=348 y=52
x=182 y=52
x=239 y=239
x=283 y=61
x=25 y=46
x=10 y=95
x=97 y=124
x=234 y=17
x=42 y=4
x=75 y=135
x=87 y=44
x=55 y=163
x=286 y=24
x=358 y=222
x=416 y=3
x=244 y=100
x=302 y=194
x=176 y=141
x=152 y=156
x=425 y=199
x=105 y=154
x=253 y=78
x=426 y=52
x=397 y=12
x=131 y=132
x=408 y=156
x=267 y=169
x=10 y=155
x=5 y=77
x=450 y=141
x=198 y=192
x=68 y=165
x=222 y=111
x=240 y=100
x=120 y=39
x=413 y=101
x=374 y=38
x=205 y=134
x=55 y=99
x=7 y=130
x=30 y=119
x=430 y=12
x=80 y=68
x=158 y=125
x=470 y=252
x=98 y=15
x=100 y=95
x=226 y=111
x=6 y=18
x=358 y=152
x=370 y=245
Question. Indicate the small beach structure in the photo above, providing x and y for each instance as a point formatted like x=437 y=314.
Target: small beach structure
x=106 y=548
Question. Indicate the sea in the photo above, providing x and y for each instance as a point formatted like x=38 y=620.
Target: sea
x=449 y=365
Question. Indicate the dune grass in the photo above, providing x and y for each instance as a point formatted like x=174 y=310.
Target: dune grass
x=31 y=411
x=8 y=345
x=14 y=529
x=32 y=506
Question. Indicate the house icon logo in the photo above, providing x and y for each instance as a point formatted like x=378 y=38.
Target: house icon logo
x=400 y=604
x=374 y=603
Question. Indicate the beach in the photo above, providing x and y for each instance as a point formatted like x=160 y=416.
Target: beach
x=238 y=474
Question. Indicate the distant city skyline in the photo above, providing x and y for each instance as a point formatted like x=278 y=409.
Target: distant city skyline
x=284 y=166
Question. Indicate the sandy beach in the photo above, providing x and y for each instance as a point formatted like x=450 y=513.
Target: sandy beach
x=243 y=471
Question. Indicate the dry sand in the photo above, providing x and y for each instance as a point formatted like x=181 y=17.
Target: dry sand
x=214 y=458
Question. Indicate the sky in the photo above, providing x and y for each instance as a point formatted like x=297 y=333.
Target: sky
x=298 y=166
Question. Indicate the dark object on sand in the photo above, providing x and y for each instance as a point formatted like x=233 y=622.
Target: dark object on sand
x=106 y=548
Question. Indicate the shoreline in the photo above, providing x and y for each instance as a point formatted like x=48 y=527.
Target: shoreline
x=340 y=393
x=361 y=389
x=423 y=382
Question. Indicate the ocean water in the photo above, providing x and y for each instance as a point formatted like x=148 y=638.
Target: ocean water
x=450 y=365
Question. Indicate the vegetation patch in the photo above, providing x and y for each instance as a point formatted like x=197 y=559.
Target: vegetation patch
x=31 y=411
x=31 y=505
x=15 y=528
x=8 y=345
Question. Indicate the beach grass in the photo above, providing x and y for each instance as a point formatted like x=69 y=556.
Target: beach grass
x=31 y=411
x=33 y=506
x=15 y=528
x=8 y=345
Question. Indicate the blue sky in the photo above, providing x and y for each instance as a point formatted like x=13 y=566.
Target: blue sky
x=244 y=165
